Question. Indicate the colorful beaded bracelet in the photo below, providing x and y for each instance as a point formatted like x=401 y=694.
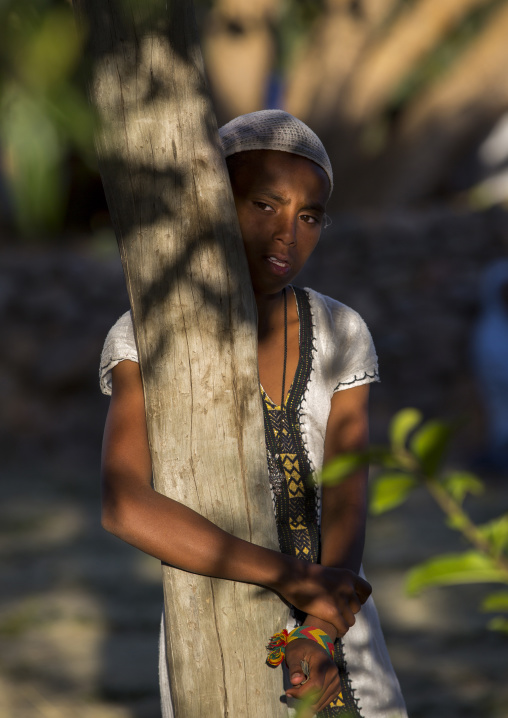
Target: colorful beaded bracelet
x=277 y=646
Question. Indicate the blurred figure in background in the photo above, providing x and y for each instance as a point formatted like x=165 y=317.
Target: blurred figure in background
x=490 y=362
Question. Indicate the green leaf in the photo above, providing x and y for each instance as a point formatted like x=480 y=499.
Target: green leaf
x=53 y=51
x=305 y=703
x=460 y=483
x=450 y=569
x=390 y=490
x=457 y=522
x=496 y=533
x=382 y=456
x=429 y=445
x=401 y=426
x=498 y=624
x=496 y=602
x=33 y=174
x=340 y=467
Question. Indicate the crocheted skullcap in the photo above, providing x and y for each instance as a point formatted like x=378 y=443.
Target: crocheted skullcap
x=274 y=130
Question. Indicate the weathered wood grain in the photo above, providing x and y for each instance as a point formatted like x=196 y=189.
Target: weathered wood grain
x=195 y=323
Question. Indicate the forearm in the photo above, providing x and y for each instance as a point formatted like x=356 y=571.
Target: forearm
x=342 y=533
x=183 y=538
x=343 y=524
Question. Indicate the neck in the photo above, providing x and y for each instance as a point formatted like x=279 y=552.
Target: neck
x=270 y=312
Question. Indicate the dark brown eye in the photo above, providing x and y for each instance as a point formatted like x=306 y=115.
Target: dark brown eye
x=309 y=219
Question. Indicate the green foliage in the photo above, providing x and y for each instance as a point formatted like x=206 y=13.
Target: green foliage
x=429 y=444
x=461 y=483
x=390 y=490
x=498 y=624
x=493 y=603
x=450 y=569
x=496 y=602
x=495 y=532
x=414 y=458
x=402 y=424
x=304 y=705
x=341 y=467
x=43 y=109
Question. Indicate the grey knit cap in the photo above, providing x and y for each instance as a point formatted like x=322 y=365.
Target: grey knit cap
x=274 y=130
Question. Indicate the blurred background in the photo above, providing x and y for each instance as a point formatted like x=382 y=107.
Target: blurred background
x=411 y=100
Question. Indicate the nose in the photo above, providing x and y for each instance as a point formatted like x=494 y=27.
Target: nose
x=285 y=230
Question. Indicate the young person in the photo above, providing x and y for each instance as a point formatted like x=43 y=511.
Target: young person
x=316 y=361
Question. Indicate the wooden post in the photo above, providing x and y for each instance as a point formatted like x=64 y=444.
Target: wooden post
x=195 y=324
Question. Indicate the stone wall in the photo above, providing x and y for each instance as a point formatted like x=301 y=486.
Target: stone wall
x=413 y=277
x=55 y=310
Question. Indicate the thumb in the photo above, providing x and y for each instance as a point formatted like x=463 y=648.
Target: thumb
x=296 y=674
x=363 y=589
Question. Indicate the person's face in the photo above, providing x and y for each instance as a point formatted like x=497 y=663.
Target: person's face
x=280 y=199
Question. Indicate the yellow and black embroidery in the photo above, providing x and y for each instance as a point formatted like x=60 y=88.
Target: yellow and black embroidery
x=295 y=494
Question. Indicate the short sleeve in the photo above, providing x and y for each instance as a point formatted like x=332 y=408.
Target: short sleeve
x=345 y=355
x=357 y=362
x=119 y=346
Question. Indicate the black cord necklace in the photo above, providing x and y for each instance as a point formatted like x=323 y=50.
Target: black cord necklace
x=285 y=350
x=275 y=466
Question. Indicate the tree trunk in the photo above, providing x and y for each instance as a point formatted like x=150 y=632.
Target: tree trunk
x=317 y=83
x=195 y=325
x=364 y=58
x=387 y=62
x=457 y=110
x=318 y=74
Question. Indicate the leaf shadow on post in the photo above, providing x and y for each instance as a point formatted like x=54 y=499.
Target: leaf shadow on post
x=193 y=308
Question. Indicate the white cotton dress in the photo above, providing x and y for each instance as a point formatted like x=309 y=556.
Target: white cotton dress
x=340 y=355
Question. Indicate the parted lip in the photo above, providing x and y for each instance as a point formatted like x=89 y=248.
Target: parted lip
x=279 y=257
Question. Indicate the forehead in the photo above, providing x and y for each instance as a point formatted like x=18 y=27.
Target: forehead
x=257 y=168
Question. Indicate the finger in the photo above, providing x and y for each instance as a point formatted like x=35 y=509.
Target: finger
x=340 y=625
x=348 y=616
x=297 y=677
x=331 y=689
x=320 y=693
x=314 y=683
x=331 y=693
x=363 y=589
x=321 y=676
x=296 y=674
x=310 y=687
x=355 y=604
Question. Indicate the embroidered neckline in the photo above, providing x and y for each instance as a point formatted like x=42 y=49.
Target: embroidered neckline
x=295 y=503
x=295 y=497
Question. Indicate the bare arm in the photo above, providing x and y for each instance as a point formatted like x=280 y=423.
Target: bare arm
x=175 y=534
x=344 y=507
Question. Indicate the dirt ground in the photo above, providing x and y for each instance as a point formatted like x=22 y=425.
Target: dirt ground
x=79 y=611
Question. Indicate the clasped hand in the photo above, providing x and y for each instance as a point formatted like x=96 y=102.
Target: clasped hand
x=332 y=594
x=323 y=678
x=335 y=596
